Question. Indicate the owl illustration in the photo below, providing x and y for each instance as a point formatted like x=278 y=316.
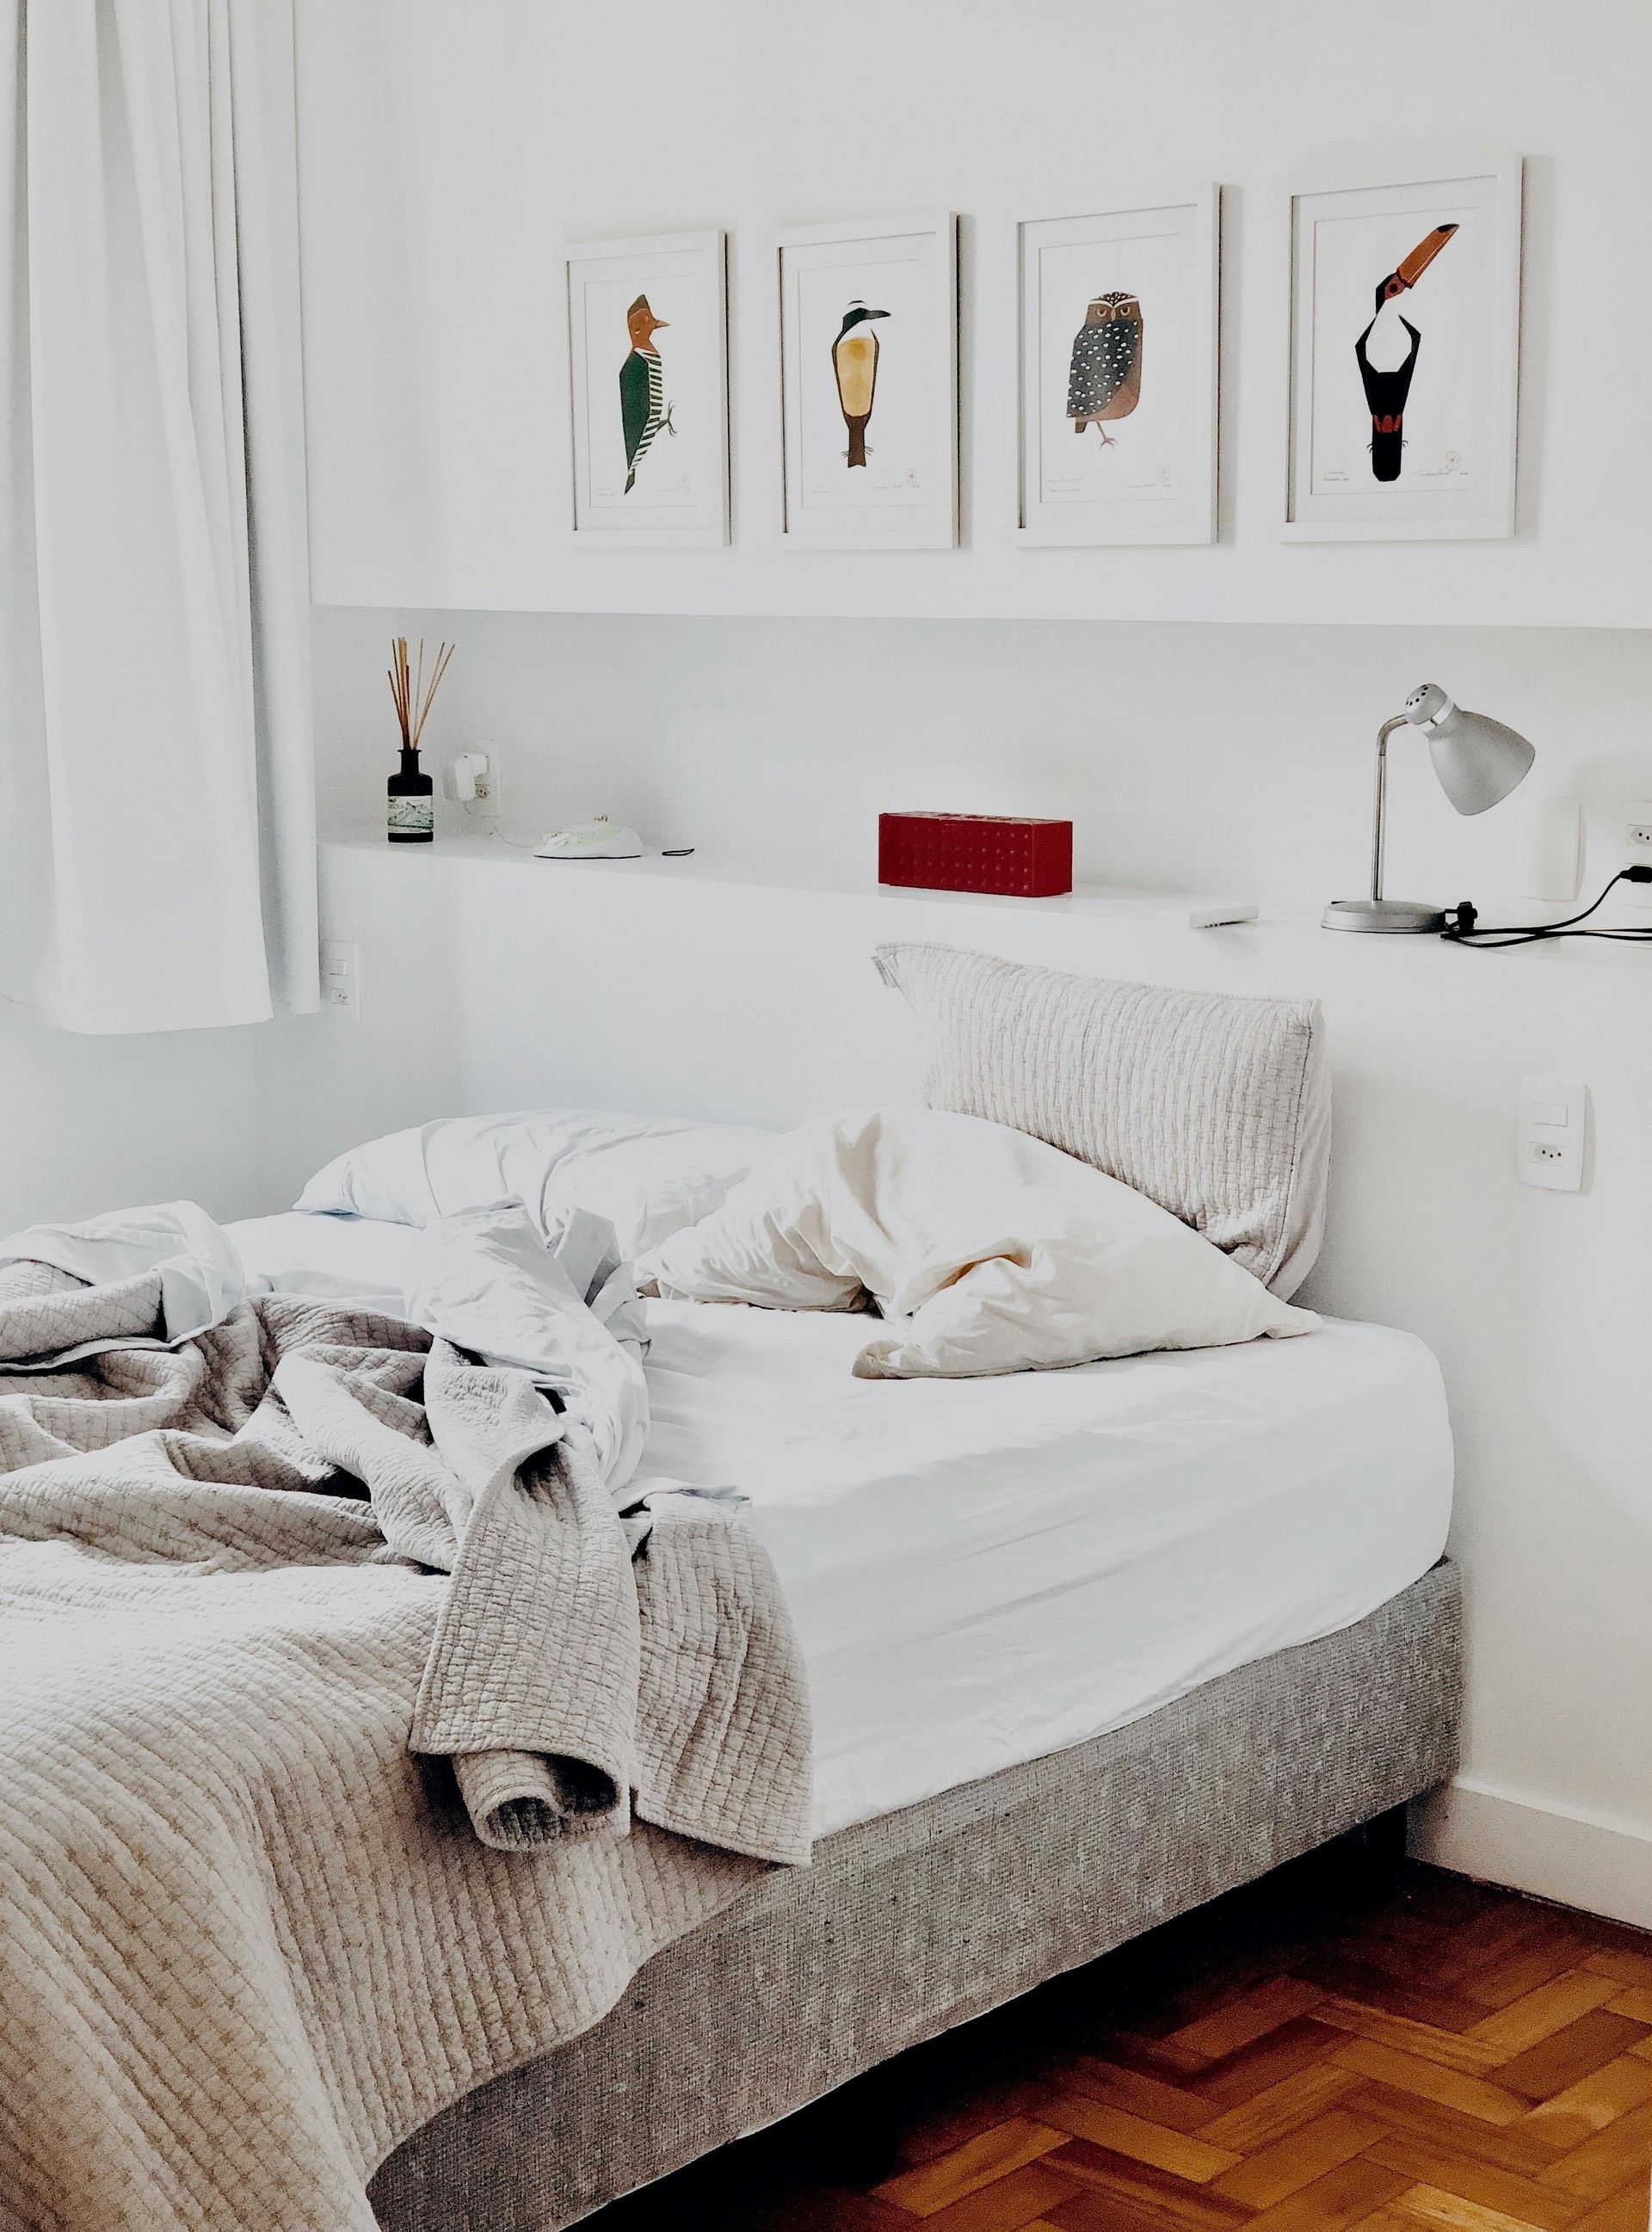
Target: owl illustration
x=1104 y=378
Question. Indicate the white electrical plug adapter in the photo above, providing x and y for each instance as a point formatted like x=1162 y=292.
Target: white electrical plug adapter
x=459 y=777
x=472 y=781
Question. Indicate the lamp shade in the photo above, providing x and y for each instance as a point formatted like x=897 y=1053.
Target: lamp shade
x=1478 y=760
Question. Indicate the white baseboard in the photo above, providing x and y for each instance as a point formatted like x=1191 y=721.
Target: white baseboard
x=1554 y=1852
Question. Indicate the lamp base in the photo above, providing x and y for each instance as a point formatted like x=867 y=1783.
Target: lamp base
x=1395 y=917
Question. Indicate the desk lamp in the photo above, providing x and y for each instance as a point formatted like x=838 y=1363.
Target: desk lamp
x=1478 y=761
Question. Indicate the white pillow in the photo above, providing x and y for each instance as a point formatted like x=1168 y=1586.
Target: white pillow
x=988 y=1250
x=648 y=1175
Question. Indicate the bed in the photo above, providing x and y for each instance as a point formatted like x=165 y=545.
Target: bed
x=1083 y=1647
x=1101 y=1596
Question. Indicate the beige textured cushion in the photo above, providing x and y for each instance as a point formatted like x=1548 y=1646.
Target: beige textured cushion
x=1216 y=1108
x=984 y=1250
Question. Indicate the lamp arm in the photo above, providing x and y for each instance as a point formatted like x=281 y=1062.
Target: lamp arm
x=1379 y=813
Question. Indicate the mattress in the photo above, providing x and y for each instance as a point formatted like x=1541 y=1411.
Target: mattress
x=982 y=1571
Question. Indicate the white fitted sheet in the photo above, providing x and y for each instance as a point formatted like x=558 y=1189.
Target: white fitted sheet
x=984 y=1571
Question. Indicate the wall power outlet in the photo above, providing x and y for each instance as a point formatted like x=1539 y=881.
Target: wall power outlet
x=1633 y=847
x=1551 y=1133
x=485 y=805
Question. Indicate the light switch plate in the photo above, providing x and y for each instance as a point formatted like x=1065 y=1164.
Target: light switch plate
x=1552 y=1132
x=341 y=977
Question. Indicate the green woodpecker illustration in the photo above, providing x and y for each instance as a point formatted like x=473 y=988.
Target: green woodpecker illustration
x=642 y=409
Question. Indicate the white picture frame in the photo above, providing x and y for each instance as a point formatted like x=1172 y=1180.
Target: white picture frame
x=1152 y=262
x=654 y=416
x=901 y=491
x=1443 y=466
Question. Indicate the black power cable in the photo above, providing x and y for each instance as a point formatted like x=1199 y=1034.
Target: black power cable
x=1461 y=929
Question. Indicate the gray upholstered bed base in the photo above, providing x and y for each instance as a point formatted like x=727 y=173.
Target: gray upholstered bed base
x=910 y=1924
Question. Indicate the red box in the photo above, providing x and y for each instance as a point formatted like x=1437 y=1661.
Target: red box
x=1008 y=852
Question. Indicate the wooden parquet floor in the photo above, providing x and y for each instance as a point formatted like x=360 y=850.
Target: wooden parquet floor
x=1443 y=2059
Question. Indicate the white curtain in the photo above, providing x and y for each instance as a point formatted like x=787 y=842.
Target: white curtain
x=157 y=790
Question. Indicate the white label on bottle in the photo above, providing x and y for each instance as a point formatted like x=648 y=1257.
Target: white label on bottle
x=411 y=817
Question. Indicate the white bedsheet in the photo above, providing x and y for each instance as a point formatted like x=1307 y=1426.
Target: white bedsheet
x=342 y=1256
x=984 y=1571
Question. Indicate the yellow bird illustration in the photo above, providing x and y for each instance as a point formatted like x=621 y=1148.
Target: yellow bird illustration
x=854 y=365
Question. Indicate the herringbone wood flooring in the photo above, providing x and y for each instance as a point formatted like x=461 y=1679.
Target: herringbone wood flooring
x=1441 y=2058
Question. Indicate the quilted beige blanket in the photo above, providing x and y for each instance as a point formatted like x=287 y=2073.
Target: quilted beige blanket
x=353 y=1748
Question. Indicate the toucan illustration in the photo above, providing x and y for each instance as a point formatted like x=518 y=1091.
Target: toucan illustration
x=1387 y=355
x=643 y=408
x=1105 y=374
x=854 y=366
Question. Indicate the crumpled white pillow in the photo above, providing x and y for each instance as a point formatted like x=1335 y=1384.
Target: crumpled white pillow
x=986 y=1250
x=648 y=1175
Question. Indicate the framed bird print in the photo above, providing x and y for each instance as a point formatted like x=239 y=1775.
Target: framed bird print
x=1117 y=393
x=1404 y=345
x=869 y=383
x=648 y=378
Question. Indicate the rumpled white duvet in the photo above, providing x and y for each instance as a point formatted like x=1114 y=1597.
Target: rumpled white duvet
x=565 y=1311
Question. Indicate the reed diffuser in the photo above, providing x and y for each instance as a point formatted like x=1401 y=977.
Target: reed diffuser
x=411 y=793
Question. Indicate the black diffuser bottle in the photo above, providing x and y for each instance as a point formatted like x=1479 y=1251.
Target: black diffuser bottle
x=412 y=803
x=411 y=818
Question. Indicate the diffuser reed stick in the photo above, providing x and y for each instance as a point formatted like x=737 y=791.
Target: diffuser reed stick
x=409 y=696
x=410 y=791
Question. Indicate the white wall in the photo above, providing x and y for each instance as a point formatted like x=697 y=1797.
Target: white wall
x=89 y=1124
x=1198 y=757
x=447 y=151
